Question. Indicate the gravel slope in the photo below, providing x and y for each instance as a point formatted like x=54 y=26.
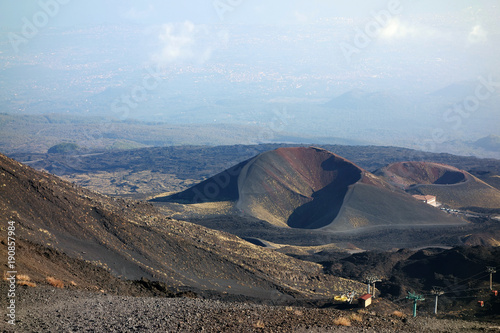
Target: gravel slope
x=45 y=309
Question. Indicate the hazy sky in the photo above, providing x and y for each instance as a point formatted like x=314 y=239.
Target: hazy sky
x=423 y=46
x=463 y=33
x=89 y=12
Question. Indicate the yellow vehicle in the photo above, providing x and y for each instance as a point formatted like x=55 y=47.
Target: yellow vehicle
x=341 y=298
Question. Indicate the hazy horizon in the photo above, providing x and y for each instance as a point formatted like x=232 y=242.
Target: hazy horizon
x=416 y=74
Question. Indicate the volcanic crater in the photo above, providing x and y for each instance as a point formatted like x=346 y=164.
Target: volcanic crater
x=408 y=174
x=451 y=186
x=296 y=187
x=310 y=188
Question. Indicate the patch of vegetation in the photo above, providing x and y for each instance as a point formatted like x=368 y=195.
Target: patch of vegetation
x=63 y=148
x=342 y=321
x=55 y=282
x=25 y=280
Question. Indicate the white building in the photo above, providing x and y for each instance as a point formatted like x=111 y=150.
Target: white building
x=428 y=199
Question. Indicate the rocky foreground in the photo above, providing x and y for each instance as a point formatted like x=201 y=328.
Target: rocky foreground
x=45 y=309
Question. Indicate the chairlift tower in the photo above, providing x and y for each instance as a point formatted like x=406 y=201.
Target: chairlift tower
x=437 y=292
x=491 y=270
x=371 y=279
x=414 y=297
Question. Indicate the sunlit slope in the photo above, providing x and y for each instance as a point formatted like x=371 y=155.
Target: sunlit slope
x=368 y=206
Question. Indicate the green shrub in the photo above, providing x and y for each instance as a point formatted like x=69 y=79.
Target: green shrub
x=63 y=148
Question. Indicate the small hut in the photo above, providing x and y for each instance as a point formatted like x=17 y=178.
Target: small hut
x=364 y=300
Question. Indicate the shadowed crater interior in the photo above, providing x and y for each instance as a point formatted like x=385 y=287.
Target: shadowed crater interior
x=326 y=203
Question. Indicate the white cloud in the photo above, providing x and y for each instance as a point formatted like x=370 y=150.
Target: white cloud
x=396 y=29
x=477 y=35
x=183 y=42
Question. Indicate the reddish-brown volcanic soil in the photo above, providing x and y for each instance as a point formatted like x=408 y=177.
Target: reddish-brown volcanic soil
x=451 y=186
x=298 y=187
x=406 y=174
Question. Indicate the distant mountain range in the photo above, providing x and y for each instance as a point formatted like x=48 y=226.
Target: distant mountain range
x=490 y=142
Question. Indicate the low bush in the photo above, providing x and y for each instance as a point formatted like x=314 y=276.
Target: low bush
x=398 y=314
x=342 y=321
x=55 y=282
x=26 y=283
